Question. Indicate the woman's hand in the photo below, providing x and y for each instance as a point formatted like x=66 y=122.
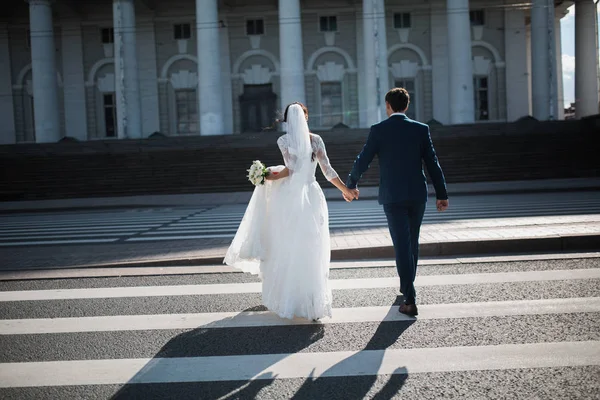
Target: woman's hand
x=274 y=175
x=350 y=194
x=271 y=176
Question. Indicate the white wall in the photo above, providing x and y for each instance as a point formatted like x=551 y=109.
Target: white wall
x=506 y=31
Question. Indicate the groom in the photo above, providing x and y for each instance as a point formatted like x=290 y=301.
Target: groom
x=401 y=144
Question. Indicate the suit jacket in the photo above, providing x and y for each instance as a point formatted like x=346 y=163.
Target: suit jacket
x=401 y=144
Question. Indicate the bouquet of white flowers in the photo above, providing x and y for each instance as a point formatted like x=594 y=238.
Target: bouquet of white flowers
x=257 y=173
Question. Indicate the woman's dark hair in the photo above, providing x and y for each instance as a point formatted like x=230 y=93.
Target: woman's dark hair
x=305 y=114
x=288 y=106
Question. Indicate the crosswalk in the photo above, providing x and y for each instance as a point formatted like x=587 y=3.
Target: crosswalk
x=206 y=336
x=186 y=223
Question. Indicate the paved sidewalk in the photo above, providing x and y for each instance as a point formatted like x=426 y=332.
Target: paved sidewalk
x=474 y=225
x=332 y=194
x=477 y=236
x=481 y=236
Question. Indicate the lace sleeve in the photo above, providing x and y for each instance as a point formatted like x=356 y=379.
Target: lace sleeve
x=321 y=154
x=288 y=159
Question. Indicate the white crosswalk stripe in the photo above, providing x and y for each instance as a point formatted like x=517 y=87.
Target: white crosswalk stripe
x=265 y=318
x=336 y=284
x=299 y=365
x=161 y=224
x=105 y=331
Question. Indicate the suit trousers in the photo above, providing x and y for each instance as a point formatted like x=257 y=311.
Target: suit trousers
x=404 y=221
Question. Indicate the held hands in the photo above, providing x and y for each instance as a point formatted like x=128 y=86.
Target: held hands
x=441 y=205
x=350 y=194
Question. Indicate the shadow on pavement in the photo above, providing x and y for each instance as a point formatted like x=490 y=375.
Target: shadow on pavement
x=201 y=342
x=334 y=383
x=329 y=386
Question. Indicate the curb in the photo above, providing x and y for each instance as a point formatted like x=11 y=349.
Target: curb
x=481 y=247
x=578 y=243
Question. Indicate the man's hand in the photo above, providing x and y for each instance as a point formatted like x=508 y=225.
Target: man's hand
x=442 y=205
x=352 y=195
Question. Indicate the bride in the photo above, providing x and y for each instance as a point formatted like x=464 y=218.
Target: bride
x=284 y=235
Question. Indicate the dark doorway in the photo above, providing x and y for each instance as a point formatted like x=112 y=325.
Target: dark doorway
x=110 y=114
x=258 y=105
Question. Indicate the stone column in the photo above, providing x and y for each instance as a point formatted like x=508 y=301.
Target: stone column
x=361 y=76
x=7 y=111
x=370 y=62
x=74 y=80
x=586 y=58
x=227 y=88
x=552 y=39
x=291 y=52
x=460 y=65
x=146 y=50
x=44 y=73
x=541 y=67
x=210 y=87
x=439 y=63
x=129 y=115
x=516 y=71
x=381 y=49
x=560 y=97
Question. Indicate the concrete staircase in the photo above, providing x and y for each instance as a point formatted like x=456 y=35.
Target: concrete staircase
x=468 y=153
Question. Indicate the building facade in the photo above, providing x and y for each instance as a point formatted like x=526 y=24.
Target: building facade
x=129 y=68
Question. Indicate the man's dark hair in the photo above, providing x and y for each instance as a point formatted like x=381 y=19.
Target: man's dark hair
x=398 y=99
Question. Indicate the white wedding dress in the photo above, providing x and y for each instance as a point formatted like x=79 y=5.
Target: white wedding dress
x=284 y=235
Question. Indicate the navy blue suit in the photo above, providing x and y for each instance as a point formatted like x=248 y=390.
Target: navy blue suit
x=401 y=145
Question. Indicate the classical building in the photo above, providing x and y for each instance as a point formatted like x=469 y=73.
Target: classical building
x=129 y=68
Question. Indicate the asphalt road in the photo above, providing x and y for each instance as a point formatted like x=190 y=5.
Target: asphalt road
x=493 y=330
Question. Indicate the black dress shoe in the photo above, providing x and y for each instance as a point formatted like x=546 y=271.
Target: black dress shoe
x=409 y=309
